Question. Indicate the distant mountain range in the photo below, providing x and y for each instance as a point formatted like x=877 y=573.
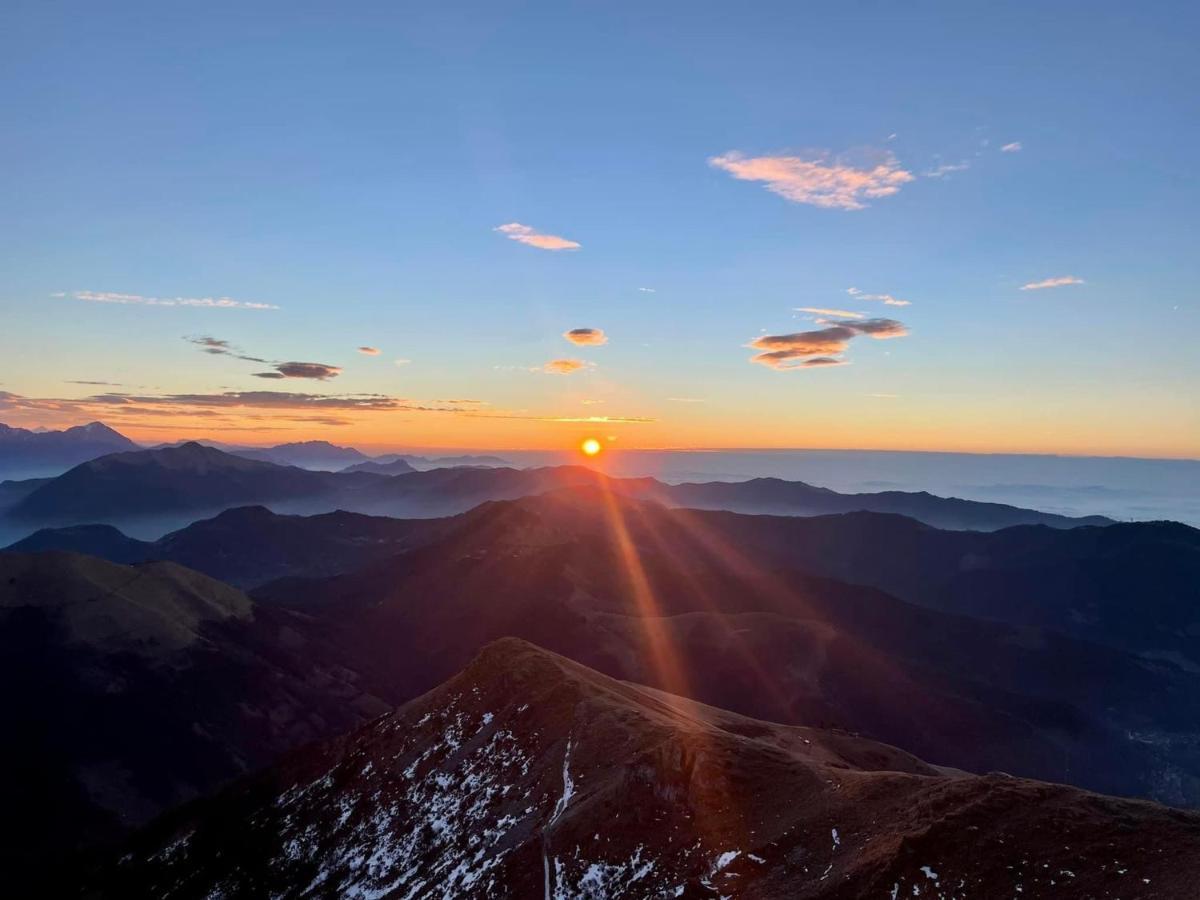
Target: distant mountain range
x=190 y=477
x=528 y=775
x=37 y=453
x=195 y=479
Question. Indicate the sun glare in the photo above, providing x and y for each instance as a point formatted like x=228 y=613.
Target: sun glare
x=590 y=447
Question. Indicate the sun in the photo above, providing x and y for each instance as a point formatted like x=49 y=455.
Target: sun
x=590 y=447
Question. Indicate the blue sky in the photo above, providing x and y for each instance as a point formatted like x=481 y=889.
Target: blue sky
x=350 y=166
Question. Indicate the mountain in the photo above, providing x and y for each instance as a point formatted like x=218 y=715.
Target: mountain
x=1087 y=582
x=37 y=453
x=193 y=478
x=129 y=689
x=395 y=467
x=250 y=545
x=450 y=491
x=528 y=775
x=103 y=541
x=190 y=477
x=795 y=498
x=606 y=581
x=307 y=455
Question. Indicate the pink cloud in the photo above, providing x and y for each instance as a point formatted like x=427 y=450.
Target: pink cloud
x=1060 y=281
x=820 y=181
x=515 y=231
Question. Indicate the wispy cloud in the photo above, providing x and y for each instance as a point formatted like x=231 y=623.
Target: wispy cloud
x=820 y=179
x=525 y=234
x=840 y=313
x=369 y=351
x=687 y=399
x=1060 y=281
x=646 y=290
x=564 y=366
x=403 y=362
x=586 y=337
x=820 y=347
x=886 y=299
x=594 y=420
x=1014 y=147
x=945 y=169
x=218 y=347
x=140 y=300
x=315 y=371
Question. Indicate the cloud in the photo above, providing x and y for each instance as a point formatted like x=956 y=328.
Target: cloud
x=645 y=290
x=96 y=383
x=369 y=351
x=317 y=371
x=886 y=299
x=515 y=231
x=140 y=300
x=687 y=399
x=946 y=169
x=1060 y=281
x=594 y=420
x=820 y=347
x=586 y=337
x=402 y=362
x=563 y=366
x=819 y=180
x=841 y=313
x=217 y=347
x=1014 y=147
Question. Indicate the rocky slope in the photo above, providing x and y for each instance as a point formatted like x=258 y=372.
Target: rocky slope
x=529 y=776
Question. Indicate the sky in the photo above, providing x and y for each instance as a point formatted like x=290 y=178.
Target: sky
x=950 y=226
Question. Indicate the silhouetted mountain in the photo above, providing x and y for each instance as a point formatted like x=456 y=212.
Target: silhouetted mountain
x=527 y=775
x=127 y=690
x=1132 y=585
x=184 y=478
x=395 y=467
x=103 y=541
x=605 y=583
x=449 y=491
x=249 y=545
x=795 y=498
x=195 y=478
x=31 y=453
x=307 y=455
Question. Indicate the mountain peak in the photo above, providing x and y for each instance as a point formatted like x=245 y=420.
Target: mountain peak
x=527 y=775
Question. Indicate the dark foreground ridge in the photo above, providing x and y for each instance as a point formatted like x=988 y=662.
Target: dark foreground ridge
x=529 y=776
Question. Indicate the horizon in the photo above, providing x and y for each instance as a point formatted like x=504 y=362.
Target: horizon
x=571 y=450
